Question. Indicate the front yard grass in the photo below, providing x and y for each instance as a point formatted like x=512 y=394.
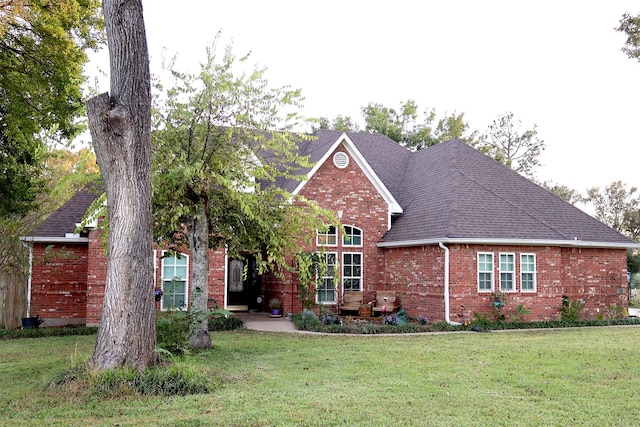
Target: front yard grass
x=578 y=376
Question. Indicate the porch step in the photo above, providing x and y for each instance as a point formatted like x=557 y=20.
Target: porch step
x=238 y=307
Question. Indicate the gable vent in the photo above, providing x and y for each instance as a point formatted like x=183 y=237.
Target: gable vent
x=341 y=160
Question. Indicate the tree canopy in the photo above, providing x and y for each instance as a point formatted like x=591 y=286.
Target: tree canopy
x=630 y=25
x=618 y=207
x=407 y=127
x=517 y=149
x=223 y=140
x=42 y=51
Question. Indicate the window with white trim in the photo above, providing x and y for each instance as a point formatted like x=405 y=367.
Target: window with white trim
x=328 y=237
x=352 y=271
x=507 y=272
x=326 y=287
x=485 y=271
x=528 y=272
x=352 y=236
x=174 y=282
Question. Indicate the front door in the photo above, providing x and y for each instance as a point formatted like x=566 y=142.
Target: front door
x=243 y=283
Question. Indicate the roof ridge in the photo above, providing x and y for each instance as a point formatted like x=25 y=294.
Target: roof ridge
x=454 y=212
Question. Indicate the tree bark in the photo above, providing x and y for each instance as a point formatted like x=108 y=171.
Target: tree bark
x=198 y=233
x=120 y=126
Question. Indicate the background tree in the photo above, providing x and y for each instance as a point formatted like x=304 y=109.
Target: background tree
x=630 y=25
x=617 y=207
x=120 y=126
x=406 y=127
x=224 y=139
x=42 y=51
x=341 y=123
x=565 y=193
x=506 y=142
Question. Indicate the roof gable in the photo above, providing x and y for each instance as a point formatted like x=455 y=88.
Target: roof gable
x=61 y=224
x=325 y=151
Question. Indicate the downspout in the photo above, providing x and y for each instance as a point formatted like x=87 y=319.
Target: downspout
x=29 y=278
x=447 y=317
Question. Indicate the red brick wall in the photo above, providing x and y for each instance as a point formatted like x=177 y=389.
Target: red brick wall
x=350 y=191
x=59 y=283
x=596 y=276
x=96 y=278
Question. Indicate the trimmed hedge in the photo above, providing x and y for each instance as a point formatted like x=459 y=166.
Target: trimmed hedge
x=307 y=322
x=9 y=334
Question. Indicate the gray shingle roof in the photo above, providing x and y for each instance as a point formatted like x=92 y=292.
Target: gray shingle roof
x=452 y=191
x=64 y=220
x=448 y=192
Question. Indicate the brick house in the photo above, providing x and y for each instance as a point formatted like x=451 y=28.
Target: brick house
x=443 y=227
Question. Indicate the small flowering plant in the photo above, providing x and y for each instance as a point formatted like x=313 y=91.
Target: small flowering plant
x=390 y=319
x=330 y=319
x=423 y=320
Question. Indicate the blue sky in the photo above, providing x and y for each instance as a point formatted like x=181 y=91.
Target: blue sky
x=556 y=64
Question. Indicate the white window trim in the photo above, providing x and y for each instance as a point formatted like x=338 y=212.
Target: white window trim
x=349 y=244
x=186 y=281
x=512 y=272
x=318 y=234
x=318 y=279
x=361 y=277
x=493 y=279
x=535 y=273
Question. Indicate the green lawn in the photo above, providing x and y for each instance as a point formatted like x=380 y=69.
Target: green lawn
x=581 y=376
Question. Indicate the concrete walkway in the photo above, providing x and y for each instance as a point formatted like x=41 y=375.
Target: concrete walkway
x=261 y=321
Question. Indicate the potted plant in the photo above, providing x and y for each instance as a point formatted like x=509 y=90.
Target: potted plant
x=32 y=322
x=274 y=305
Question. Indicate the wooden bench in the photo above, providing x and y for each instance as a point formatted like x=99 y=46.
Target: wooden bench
x=351 y=301
x=386 y=299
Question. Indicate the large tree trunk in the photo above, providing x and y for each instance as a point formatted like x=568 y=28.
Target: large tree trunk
x=120 y=127
x=198 y=232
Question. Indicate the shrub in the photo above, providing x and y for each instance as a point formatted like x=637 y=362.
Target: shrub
x=570 y=310
x=224 y=320
x=172 y=332
x=306 y=321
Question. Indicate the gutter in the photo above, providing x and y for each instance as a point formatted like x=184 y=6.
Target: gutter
x=447 y=313
x=509 y=242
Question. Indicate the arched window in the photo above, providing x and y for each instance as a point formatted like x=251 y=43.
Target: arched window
x=352 y=236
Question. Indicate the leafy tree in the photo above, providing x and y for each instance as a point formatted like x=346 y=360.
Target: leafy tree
x=42 y=51
x=120 y=125
x=406 y=128
x=617 y=207
x=223 y=140
x=630 y=25
x=341 y=123
x=511 y=146
x=565 y=193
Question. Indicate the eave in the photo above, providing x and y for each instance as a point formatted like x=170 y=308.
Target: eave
x=509 y=242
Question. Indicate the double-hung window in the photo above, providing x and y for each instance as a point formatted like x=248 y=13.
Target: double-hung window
x=174 y=282
x=327 y=237
x=326 y=287
x=507 y=272
x=528 y=272
x=485 y=271
x=352 y=271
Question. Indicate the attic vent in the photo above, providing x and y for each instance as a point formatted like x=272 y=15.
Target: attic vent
x=341 y=160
